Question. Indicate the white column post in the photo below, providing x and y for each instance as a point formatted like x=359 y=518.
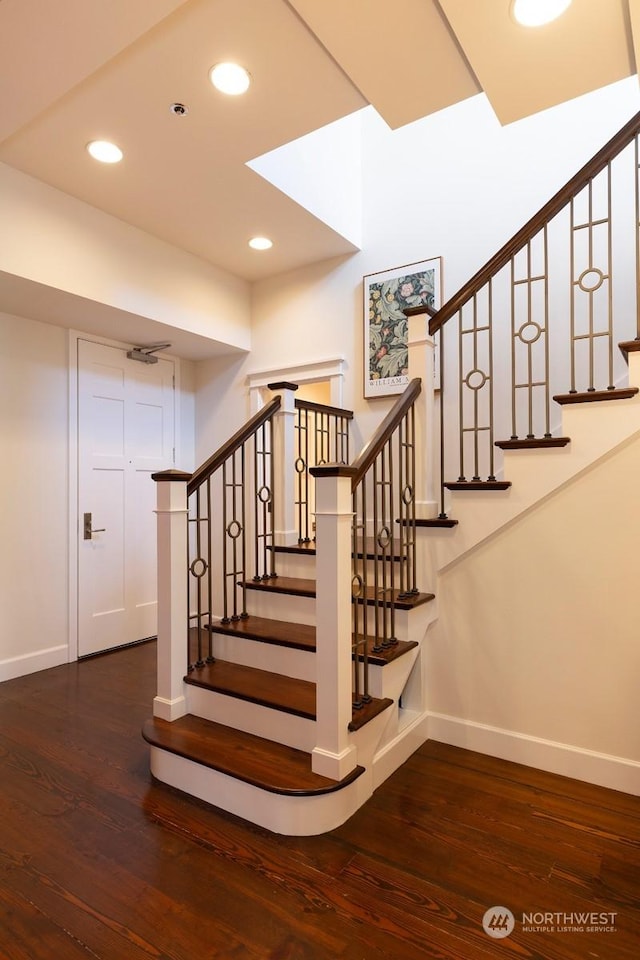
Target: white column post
x=421 y=364
x=285 y=531
x=173 y=627
x=334 y=756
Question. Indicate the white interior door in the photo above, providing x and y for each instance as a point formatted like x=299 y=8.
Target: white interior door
x=126 y=423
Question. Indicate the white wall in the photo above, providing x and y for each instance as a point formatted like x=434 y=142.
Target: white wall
x=539 y=625
x=34 y=497
x=51 y=238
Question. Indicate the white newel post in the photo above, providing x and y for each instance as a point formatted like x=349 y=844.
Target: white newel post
x=284 y=453
x=421 y=364
x=333 y=755
x=170 y=703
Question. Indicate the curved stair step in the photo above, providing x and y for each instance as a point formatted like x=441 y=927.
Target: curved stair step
x=269 y=766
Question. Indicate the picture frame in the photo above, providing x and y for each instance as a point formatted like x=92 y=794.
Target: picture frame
x=386 y=294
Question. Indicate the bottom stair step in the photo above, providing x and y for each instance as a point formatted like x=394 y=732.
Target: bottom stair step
x=254 y=760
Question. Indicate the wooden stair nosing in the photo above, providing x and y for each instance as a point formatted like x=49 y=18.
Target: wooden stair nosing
x=269 y=766
x=387 y=654
x=282 y=633
x=431 y=522
x=406 y=603
x=368 y=712
x=592 y=396
x=532 y=443
x=294 y=586
x=485 y=485
x=630 y=346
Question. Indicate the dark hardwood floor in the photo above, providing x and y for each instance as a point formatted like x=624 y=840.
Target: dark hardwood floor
x=98 y=861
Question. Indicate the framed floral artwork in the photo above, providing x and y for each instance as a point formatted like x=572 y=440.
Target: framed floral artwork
x=386 y=295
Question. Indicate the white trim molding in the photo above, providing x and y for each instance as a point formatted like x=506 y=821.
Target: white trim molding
x=317 y=371
x=602 y=769
x=26 y=663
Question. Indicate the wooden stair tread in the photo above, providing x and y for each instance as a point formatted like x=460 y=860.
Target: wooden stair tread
x=282 y=633
x=400 y=603
x=274 y=690
x=299 y=587
x=433 y=522
x=591 y=396
x=270 y=766
x=309 y=549
x=478 y=485
x=389 y=654
x=303 y=547
x=294 y=586
x=367 y=712
x=532 y=443
x=630 y=346
x=300 y=636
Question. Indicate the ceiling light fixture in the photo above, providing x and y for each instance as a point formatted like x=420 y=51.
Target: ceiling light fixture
x=260 y=243
x=230 y=78
x=104 y=151
x=535 y=13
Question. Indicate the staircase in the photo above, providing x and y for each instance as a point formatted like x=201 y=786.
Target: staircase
x=291 y=678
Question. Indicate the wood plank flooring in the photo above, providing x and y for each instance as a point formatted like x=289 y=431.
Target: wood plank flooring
x=99 y=861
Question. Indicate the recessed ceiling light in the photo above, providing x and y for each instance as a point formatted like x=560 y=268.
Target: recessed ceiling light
x=260 y=243
x=535 y=13
x=230 y=78
x=104 y=151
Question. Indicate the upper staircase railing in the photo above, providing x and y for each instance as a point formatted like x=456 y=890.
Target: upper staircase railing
x=384 y=549
x=542 y=319
x=322 y=436
x=230 y=534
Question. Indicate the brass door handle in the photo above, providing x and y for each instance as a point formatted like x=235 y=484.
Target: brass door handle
x=88 y=529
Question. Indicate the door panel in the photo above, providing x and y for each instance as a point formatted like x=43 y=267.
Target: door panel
x=125 y=433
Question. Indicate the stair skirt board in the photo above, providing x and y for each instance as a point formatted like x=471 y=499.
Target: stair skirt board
x=413 y=733
x=286 y=728
x=287 y=815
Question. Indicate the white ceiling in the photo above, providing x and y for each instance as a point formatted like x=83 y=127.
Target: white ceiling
x=73 y=71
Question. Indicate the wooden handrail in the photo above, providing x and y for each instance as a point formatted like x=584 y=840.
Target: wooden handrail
x=210 y=466
x=590 y=170
x=371 y=450
x=323 y=408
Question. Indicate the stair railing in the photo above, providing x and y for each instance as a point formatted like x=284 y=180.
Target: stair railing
x=384 y=546
x=544 y=314
x=230 y=519
x=321 y=436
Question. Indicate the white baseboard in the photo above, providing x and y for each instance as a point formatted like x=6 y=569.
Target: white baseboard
x=33 y=662
x=605 y=770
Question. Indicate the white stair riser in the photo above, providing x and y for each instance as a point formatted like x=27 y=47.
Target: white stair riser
x=300 y=664
x=281 y=606
x=296 y=565
x=265 y=722
x=291 y=816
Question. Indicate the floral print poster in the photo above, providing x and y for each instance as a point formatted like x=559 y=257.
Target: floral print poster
x=386 y=295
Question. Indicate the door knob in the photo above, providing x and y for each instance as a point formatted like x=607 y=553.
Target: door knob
x=88 y=530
